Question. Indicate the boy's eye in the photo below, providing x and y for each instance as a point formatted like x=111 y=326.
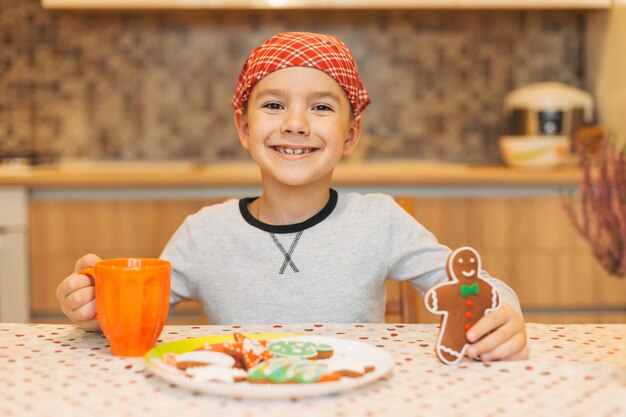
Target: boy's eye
x=272 y=106
x=322 y=107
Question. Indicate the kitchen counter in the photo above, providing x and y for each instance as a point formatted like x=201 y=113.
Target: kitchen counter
x=384 y=173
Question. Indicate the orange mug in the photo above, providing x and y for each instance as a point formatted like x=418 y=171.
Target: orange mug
x=132 y=301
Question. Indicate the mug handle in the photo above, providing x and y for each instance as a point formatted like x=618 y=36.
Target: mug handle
x=90 y=271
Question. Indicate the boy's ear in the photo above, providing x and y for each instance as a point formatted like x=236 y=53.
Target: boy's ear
x=243 y=128
x=353 y=136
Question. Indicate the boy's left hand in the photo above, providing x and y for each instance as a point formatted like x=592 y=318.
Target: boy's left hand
x=500 y=335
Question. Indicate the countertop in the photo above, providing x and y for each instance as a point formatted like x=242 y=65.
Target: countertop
x=183 y=174
x=573 y=370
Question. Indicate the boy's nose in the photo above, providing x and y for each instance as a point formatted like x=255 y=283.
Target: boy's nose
x=295 y=123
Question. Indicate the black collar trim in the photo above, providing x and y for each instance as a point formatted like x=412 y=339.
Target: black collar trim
x=288 y=228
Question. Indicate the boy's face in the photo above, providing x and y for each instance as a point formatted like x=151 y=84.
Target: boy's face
x=297 y=125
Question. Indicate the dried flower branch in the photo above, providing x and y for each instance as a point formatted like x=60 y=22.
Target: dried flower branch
x=599 y=214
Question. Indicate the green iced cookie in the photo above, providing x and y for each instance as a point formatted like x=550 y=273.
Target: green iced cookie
x=274 y=370
x=297 y=349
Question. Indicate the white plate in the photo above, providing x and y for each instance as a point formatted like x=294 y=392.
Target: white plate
x=370 y=355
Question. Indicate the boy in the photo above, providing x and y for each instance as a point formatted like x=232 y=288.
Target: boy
x=301 y=252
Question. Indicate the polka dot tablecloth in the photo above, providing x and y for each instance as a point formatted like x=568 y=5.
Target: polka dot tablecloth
x=574 y=370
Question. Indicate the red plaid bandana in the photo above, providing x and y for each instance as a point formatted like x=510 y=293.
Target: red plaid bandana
x=301 y=49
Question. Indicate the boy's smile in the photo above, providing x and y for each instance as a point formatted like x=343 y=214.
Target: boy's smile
x=293 y=151
x=297 y=125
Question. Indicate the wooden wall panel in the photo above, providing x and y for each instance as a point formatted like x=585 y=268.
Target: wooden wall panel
x=529 y=243
x=47 y=271
x=525 y=241
x=491 y=223
x=446 y=218
x=61 y=231
x=535 y=278
x=541 y=223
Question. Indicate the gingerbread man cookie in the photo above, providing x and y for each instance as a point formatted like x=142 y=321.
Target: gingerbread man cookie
x=462 y=301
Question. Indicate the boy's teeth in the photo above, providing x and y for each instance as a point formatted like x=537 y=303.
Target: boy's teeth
x=289 y=151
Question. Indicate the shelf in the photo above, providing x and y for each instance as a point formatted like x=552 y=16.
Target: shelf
x=244 y=174
x=327 y=4
x=535 y=4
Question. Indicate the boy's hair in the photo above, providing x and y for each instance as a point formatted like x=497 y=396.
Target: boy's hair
x=302 y=49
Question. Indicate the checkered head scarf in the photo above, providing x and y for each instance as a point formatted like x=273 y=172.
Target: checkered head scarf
x=301 y=49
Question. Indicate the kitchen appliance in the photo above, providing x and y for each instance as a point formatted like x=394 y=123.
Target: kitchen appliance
x=534 y=152
x=14 y=277
x=540 y=124
x=547 y=109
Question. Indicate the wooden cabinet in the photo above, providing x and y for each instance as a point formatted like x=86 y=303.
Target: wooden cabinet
x=525 y=241
x=529 y=244
x=61 y=231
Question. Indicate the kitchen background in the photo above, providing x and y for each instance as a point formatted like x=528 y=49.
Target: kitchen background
x=156 y=85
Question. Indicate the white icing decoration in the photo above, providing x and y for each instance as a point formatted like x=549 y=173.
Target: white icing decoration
x=293 y=349
x=459 y=355
x=345 y=364
x=253 y=346
x=208 y=357
x=215 y=373
x=469 y=274
x=435 y=305
x=494 y=297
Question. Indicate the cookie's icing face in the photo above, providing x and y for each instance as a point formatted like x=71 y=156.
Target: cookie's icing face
x=465 y=264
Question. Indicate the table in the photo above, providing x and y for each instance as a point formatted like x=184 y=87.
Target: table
x=573 y=370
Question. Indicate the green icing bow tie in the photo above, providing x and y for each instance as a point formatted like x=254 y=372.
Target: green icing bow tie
x=469 y=289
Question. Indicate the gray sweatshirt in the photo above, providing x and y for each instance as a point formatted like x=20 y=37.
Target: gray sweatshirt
x=329 y=268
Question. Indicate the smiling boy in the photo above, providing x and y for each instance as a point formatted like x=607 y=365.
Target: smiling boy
x=301 y=251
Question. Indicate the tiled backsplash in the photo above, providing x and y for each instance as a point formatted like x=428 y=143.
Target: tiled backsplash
x=157 y=85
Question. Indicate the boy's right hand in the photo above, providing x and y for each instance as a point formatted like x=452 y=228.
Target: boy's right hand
x=77 y=297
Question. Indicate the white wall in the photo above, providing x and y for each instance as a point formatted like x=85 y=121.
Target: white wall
x=606 y=64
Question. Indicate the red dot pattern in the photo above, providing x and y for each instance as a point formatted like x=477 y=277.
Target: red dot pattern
x=53 y=370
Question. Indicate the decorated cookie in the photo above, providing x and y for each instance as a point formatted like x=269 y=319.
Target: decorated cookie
x=197 y=358
x=258 y=361
x=248 y=351
x=216 y=373
x=291 y=370
x=299 y=349
x=462 y=301
x=348 y=367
